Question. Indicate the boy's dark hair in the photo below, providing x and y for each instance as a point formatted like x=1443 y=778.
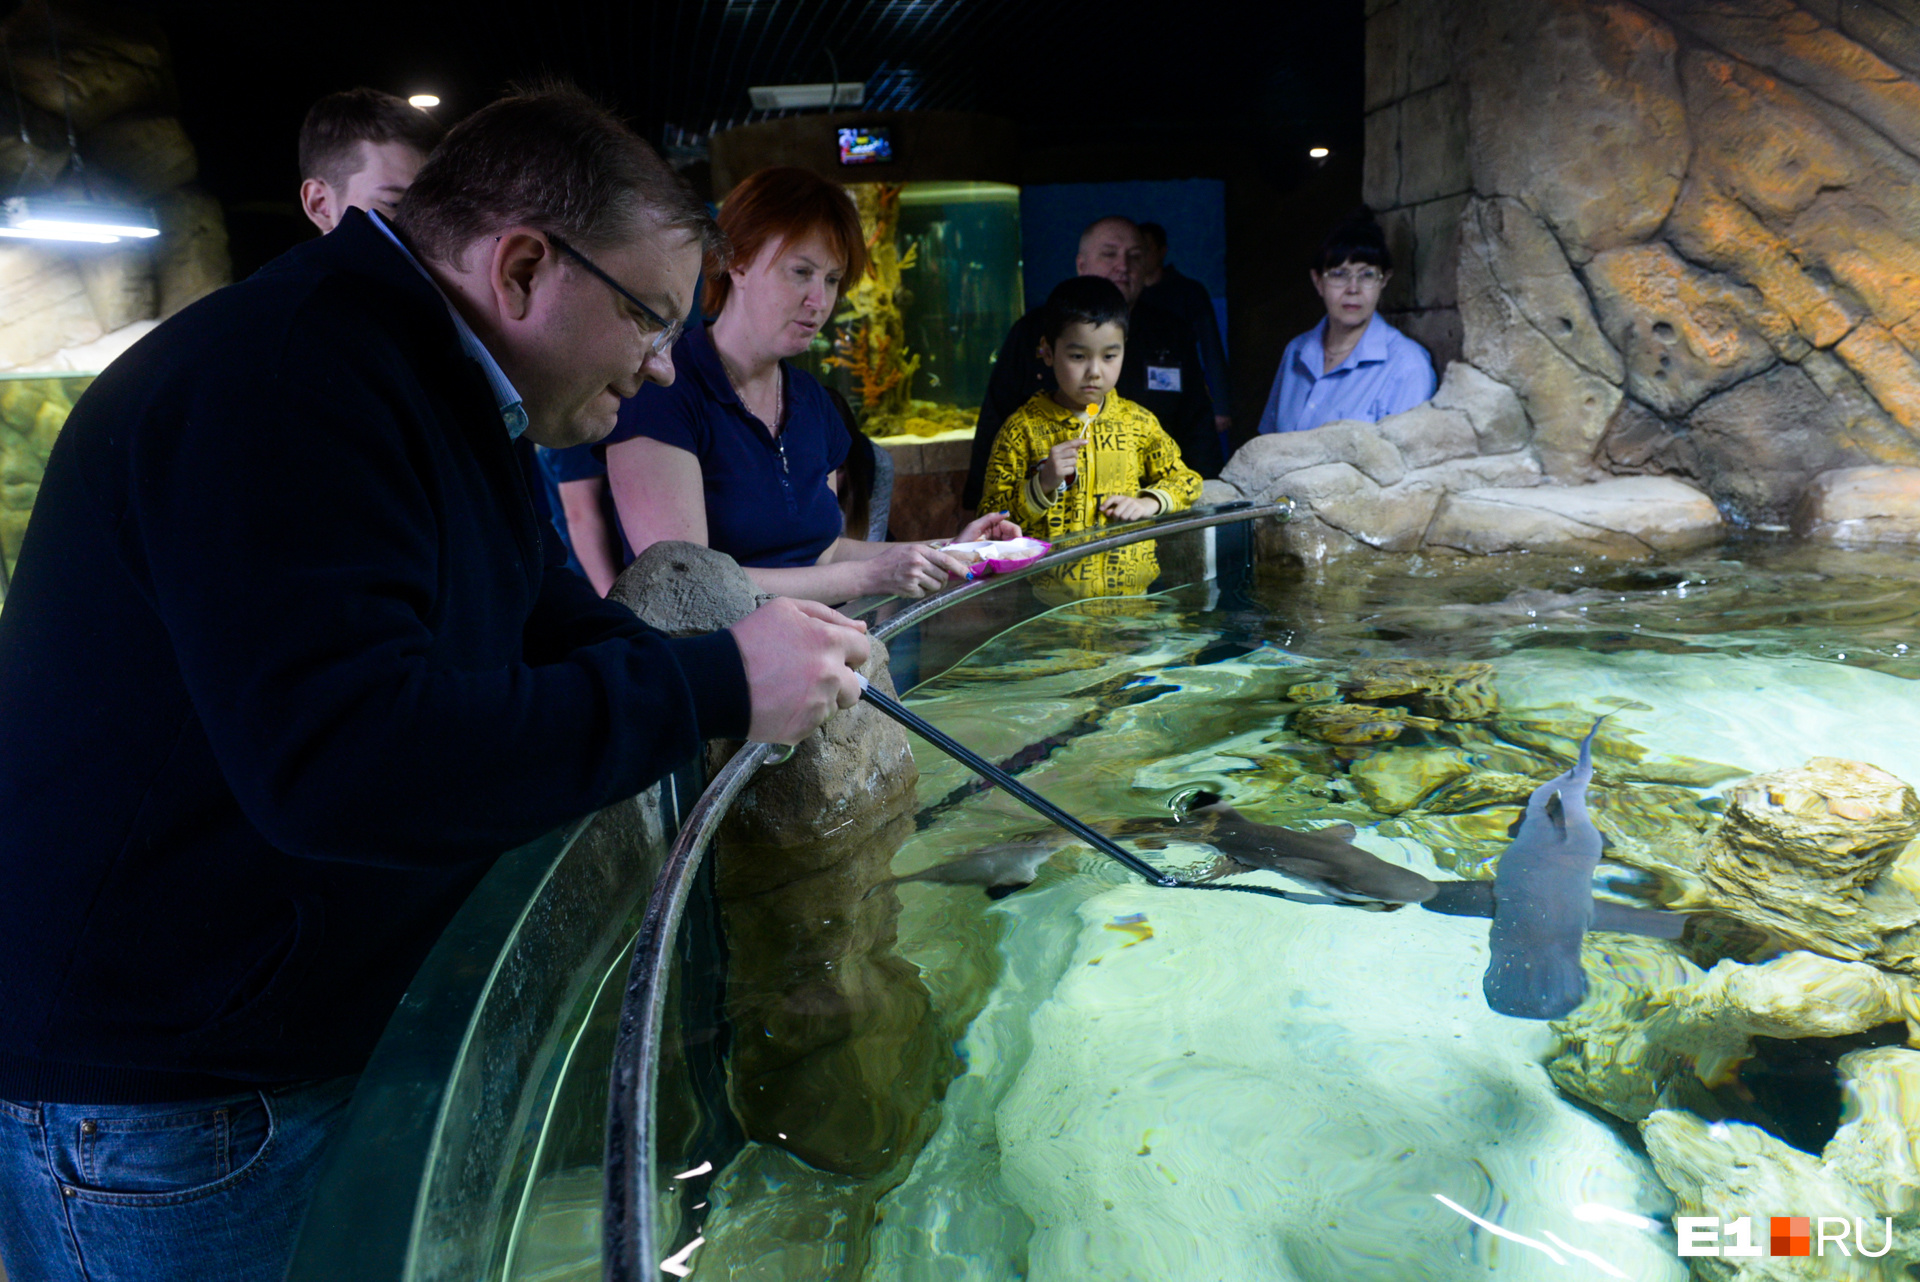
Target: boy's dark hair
x=1087 y=300
x=339 y=122
x=1357 y=240
x=1155 y=233
x=552 y=159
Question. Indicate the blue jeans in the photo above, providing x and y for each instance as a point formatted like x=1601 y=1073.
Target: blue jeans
x=194 y=1190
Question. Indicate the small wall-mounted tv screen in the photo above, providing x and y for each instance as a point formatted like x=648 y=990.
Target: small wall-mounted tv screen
x=871 y=145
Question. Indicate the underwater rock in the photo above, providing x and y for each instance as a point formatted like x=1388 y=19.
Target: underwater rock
x=1480 y=790
x=1862 y=505
x=1400 y=778
x=1449 y=691
x=1802 y=854
x=1728 y=1169
x=1632 y=1050
x=1617 y=756
x=192 y=259
x=1314 y=692
x=1357 y=723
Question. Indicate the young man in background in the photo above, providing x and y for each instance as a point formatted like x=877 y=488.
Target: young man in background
x=359 y=149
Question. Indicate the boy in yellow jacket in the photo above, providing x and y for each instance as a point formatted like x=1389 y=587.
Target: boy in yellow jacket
x=1083 y=455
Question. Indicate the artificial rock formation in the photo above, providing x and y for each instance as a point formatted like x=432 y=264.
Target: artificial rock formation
x=1633 y=1050
x=1809 y=855
x=1678 y=231
x=837 y=1059
x=68 y=306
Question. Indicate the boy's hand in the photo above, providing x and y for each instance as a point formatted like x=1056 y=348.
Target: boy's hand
x=1062 y=465
x=1128 y=507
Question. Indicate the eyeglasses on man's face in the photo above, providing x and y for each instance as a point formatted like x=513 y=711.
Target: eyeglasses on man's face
x=667 y=332
x=1364 y=277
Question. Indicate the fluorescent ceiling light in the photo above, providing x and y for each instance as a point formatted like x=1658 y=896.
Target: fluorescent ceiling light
x=30 y=218
x=423 y=101
x=789 y=97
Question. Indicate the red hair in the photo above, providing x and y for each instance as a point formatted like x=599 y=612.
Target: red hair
x=779 y=206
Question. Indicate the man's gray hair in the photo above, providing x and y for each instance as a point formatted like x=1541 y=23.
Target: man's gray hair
x=553 y=159
x=1116 y=220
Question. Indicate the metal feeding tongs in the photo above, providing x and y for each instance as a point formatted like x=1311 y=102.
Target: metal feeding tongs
x=1099 y=841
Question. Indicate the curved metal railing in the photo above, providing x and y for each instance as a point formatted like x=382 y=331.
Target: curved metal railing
x=630 y=1241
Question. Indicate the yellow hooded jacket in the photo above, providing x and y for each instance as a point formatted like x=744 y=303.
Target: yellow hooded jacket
x=1127 y=452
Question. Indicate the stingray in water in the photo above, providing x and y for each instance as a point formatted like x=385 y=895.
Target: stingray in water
x=1543 y=899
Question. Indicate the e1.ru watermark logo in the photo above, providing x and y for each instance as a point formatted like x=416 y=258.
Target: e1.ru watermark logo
x=1788 y=1235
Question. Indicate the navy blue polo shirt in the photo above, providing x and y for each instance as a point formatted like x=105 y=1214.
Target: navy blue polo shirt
x=768 y=504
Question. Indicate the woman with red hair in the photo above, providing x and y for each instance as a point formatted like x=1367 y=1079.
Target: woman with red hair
x=740 y=452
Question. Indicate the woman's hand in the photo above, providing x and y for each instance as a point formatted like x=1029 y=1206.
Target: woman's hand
x=994 y=525
x=1062 y=465
x=912 y=570
x=1129 y=507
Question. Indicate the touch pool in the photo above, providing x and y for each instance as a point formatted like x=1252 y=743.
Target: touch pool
x=1161 y=1083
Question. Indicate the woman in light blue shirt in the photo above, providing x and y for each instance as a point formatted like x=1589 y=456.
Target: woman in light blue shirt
x=1352 y=365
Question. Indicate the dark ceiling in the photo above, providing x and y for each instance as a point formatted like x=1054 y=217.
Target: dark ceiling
x=1153 y=86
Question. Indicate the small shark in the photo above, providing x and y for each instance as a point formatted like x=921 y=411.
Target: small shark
x=1543 y=899
x=1324 y=859
x=999 y=870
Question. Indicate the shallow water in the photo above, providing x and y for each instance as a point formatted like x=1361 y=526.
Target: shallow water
x=1160 y=1084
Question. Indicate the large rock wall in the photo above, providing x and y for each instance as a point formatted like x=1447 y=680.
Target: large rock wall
x=1681 y=232
x=72 y=306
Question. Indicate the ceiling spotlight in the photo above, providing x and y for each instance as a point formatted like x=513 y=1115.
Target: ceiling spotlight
x=1318 y=153
x=844 y=93
x=30 y=218
x=423 y=101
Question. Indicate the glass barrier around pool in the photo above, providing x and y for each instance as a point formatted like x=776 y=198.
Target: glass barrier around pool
x=478 y=1141
x=474 y=1146
x=671 y=1132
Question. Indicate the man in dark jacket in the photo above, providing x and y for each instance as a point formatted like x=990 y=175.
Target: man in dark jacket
x=1162 y=370
x=1168 y=288
x=288 y=661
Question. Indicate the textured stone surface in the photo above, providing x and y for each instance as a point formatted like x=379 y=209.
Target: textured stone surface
x=1498 y=417
x=839 y=1061
x=1399 y=779
x=1214 y=491
x=1631 y=1050
x=1685 y=333
x=1576 y=106
x=1689 y=250
x=191 y=261
x=685 y=589
x=1805 y=854
x=1625 y=518
x=1426 y=435
x=108 y=62
x=1863 y=505
x=145 y=154
x=1530 y=325
x=1258 y=465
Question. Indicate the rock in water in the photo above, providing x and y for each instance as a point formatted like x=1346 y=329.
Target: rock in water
x=1806 y=854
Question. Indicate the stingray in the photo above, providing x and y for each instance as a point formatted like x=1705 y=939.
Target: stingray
x=1543 y=899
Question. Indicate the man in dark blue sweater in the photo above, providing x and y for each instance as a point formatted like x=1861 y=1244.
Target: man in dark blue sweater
x=288 y=660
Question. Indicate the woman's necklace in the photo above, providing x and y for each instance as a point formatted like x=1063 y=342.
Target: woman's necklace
x=779 y=405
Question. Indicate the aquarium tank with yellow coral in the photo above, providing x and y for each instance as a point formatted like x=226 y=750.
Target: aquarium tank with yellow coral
x=33 y=407
x=912 y=344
